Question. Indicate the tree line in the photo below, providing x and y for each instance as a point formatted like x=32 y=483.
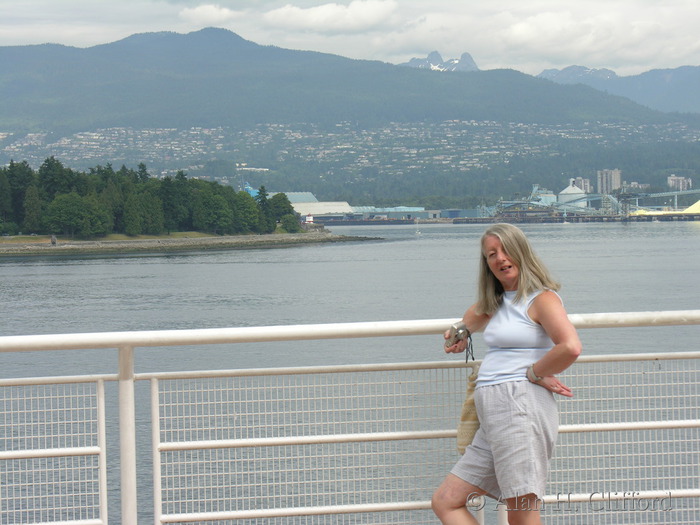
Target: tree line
x=58 y=200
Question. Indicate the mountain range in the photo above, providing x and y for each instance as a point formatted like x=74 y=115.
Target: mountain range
x=662 y=89
x=667 y=90
x=213 y=77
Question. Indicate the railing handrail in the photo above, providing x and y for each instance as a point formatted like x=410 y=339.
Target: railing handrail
x=157 y=338
x=327 y=369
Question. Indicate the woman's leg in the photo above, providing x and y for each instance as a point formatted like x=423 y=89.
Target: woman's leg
x=524 y=510
x=450 y=500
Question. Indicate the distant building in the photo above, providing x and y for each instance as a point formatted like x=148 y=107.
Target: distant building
x=572 y=195
x=635 y=186
x=609 y=181
x=316 y=209
x=584 y=184
x=250 y=190
x=542 y=196
x=680 y=183
x=313 y=211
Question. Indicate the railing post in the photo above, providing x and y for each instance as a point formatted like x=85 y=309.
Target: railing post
x=155 y=440
x=502 y=514
x=102 y=444
x=127 y=436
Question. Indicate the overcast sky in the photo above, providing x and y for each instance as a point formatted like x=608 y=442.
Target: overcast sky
x=627 y=36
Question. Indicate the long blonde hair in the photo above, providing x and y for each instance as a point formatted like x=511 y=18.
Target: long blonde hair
x=532 y=276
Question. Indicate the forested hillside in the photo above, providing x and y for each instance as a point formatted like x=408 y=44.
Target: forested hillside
x=213 y=77
x=55 y=199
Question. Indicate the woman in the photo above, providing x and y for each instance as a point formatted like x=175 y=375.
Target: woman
x=530 y=339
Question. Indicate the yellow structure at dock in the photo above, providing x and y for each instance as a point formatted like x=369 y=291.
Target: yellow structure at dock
x=694 y=209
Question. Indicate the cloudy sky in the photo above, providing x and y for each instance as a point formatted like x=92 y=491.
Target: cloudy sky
x=628 y=36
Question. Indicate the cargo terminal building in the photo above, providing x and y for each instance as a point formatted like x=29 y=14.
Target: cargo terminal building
x=313 y=210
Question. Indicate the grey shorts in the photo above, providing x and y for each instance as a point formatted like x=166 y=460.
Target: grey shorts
x=510 y=453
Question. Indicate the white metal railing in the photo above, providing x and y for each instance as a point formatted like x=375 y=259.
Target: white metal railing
x=53 y=439
x=412 y=410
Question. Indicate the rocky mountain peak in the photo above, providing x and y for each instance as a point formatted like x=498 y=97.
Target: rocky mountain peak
x=572 y=74
x=435 y=62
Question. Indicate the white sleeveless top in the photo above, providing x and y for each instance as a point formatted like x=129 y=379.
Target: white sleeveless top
x=514 y=342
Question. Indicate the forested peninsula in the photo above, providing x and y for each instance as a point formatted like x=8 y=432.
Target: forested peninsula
x=56 y=200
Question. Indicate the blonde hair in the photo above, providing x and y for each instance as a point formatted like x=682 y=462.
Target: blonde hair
x=532 y=276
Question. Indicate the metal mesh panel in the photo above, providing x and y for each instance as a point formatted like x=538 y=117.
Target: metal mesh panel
x=628 y=391
x=624 y=463
x=48 y=416
x=303 y=475
x=310 y=404
x=264 y=476
x=48 y=489
x=45 y=490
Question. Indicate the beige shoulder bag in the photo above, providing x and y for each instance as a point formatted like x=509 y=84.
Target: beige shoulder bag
x=468 y=421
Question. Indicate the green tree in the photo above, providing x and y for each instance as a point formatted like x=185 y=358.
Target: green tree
x=20 y=176
x=127 y=174
x=211 y=212
x=280 y=206
x=175 y=210
x=133 y=215
x=229 y=194
x=66 y=214
x=290 y=223
x=267 y=218
x=84 y=183
x=249 y=212
x=153 y=218
x=6 y=213
x=32 y=210
x=55 y=179
x=183 y=200
x=112 y=200
x=94 y=217
x=142 y=174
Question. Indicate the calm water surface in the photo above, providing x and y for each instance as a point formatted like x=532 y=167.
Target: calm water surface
x=414 y=272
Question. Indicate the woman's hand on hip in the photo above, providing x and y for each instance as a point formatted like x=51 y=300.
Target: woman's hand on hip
x=552 y=384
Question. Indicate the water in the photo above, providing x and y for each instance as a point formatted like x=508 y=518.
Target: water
x=414 y=272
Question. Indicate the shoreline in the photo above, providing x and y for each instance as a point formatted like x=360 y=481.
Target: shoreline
x=170 y=245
